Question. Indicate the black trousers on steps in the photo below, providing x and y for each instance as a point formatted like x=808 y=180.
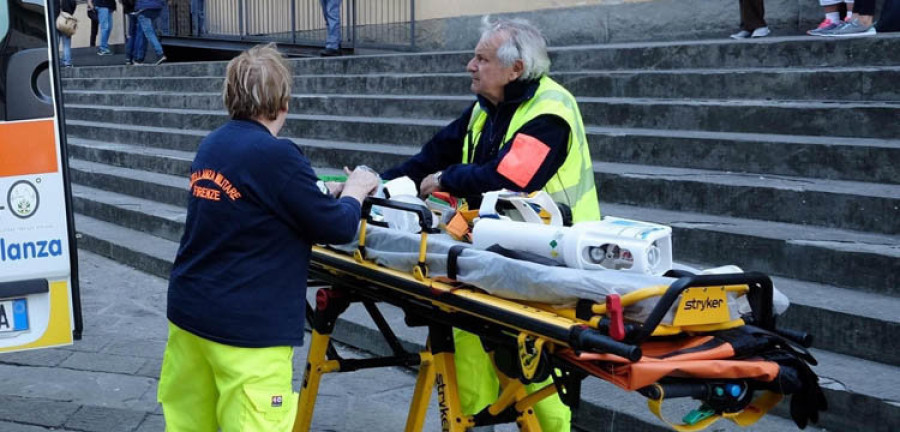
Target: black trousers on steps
x=752 y=12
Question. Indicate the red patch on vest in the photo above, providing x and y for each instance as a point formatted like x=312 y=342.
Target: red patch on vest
x=523 y=160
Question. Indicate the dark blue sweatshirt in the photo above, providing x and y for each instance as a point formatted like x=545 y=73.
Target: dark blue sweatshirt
x=444 y=150
x=240 y=274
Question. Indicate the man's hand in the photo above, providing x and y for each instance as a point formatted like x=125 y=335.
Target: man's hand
x=334 y=188
x=360 y=183
x=90 y=5
x=430 y=185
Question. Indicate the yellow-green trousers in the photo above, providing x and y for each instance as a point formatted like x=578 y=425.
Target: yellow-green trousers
x=206 y=385
x=479 y=387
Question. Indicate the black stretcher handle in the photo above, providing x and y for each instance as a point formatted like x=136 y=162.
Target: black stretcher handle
x=801 y=337
x=588 y=339
x=420 y=210
x=760 y=297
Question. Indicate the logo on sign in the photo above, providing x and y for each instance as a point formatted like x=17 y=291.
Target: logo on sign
x=23 y=199
x=704 y=304
x=12 y=251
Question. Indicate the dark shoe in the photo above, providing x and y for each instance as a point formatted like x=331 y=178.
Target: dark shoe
x=160 y=61
x=330 y=52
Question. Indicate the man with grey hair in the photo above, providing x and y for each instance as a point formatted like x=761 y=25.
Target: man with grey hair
x=524 y=133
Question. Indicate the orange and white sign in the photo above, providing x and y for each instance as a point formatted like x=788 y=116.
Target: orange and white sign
x=39 y=305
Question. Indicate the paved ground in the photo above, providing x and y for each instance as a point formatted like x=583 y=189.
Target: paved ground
x=107 y=381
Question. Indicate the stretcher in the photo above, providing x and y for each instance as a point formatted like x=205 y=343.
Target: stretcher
x=688 y=344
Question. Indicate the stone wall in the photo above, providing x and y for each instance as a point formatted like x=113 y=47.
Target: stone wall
x=612 y=22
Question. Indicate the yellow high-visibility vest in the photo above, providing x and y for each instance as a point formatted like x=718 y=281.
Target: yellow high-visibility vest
x=573 y=183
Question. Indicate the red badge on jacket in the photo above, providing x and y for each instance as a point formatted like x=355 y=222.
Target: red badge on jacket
x=523 y=160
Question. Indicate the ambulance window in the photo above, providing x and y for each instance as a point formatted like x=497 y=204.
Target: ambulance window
x=4 y=20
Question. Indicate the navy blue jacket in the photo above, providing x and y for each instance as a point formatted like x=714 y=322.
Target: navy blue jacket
x=240 y=274
x=444 y=150
x=149 y=4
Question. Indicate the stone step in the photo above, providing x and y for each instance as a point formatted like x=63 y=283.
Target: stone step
x=151 y=217
x=834 y=315
x=860 y=392
x=323 y=153
x=867 y=160
x=850 y=259
x=831 y=83
x=156 y=187
x=869 y=207
x=845 y=119
x=145 y=252
x=180 y=139
x=848 y=205
x=143 y=123
x=768 y=52
x=153 y=159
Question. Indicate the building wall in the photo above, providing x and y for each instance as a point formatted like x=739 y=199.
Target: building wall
x=611 y=21
x=432 y=9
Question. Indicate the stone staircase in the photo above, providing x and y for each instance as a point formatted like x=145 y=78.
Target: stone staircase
x=781 y=156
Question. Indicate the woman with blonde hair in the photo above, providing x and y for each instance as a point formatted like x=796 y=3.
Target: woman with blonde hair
x=237 y=291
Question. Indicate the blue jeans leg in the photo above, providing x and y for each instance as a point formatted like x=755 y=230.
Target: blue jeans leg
x=106 y=22
x=145 y=19
x=163 y=22
x=134 y=47
x=66 y=42
x=331 y=9
x=129 y=36
x=198 y=17
x=140 y=43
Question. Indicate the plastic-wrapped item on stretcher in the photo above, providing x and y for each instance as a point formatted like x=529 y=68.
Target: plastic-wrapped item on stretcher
x=528 y=281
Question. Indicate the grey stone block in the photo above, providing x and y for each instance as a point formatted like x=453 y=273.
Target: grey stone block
x=848 y=83
x=168 y=222
x=797 y=156
x=20 y=427
x=100 y=419
x=154 y=258
x=826 y=203
x=89 y=343
x=151 y=368
x=78 y=387
x=46 y=357
x=151 y=349
x=152 y=423
x=20 y=410
x=165 y=138
x=152 y=186
x=104 y=363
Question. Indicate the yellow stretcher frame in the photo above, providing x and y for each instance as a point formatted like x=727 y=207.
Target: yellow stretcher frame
x=441 y=306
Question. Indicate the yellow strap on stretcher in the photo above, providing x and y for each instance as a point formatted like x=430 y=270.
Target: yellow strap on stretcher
x=746 y=417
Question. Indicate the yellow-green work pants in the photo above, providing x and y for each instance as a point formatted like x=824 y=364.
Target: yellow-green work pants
x=206 y=385
x=479 y=387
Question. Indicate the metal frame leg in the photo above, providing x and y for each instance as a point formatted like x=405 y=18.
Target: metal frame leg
x=330 y=304
x=440 y=340
x=418 y=407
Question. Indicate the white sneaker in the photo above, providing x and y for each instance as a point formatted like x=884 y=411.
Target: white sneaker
x=760 y=32
x=743 y=34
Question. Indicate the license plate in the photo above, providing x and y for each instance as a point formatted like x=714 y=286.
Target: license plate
x=13 y=315
x=698 y=306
